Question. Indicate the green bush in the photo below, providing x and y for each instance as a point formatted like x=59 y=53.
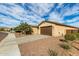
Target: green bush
x=70 y=37
x=65 y=46
x=52 y=52
x=77 y=35
x=24 y=28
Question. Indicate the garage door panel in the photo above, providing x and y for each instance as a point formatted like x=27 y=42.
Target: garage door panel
x=47 y=30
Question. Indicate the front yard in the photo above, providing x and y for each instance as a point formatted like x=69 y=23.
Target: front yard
x=41 y=45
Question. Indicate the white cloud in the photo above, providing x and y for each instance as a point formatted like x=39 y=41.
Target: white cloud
x=76 y=24
x=72 y=20
x=9 y=22
x=34 y=17
x=70 y=11
x=41 y=8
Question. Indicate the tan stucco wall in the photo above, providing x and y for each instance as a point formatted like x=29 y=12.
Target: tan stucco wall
x=35 y=30
x=71 y=28
x=61 y=30
x=57 y=30
x=46 y=24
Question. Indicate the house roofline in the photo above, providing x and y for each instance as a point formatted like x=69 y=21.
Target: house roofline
x=57 y=24
x=34 y=26
x=53 y=23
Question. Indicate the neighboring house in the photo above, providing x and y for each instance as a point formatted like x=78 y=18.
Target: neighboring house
x=53 y=29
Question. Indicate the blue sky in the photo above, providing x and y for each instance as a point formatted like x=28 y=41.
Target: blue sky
x=33 y=13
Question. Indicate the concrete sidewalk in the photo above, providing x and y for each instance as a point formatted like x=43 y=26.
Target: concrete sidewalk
x=9 y=46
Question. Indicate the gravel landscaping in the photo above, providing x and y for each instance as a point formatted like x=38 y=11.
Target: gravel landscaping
x=39 y=45
x=3 y=35
x=36 y=45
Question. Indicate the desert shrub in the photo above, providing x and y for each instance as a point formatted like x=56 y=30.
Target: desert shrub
x=77 y=35
x=70 y=37
x=52 y=52
x=65 y=46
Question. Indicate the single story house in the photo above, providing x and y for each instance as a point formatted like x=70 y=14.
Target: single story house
x=53 y=29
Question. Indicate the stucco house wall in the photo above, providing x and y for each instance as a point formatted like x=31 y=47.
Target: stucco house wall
x=71 y=28
x=47 y=24
x=57 y=30
x=35 y=30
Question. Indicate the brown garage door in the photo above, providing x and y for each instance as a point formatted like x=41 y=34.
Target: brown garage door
x=47 y=30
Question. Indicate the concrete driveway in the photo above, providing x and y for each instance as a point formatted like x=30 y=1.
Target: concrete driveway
x=9 y=46
x=30 y=38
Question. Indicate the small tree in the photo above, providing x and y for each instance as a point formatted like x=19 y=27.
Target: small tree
x=24 y=28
